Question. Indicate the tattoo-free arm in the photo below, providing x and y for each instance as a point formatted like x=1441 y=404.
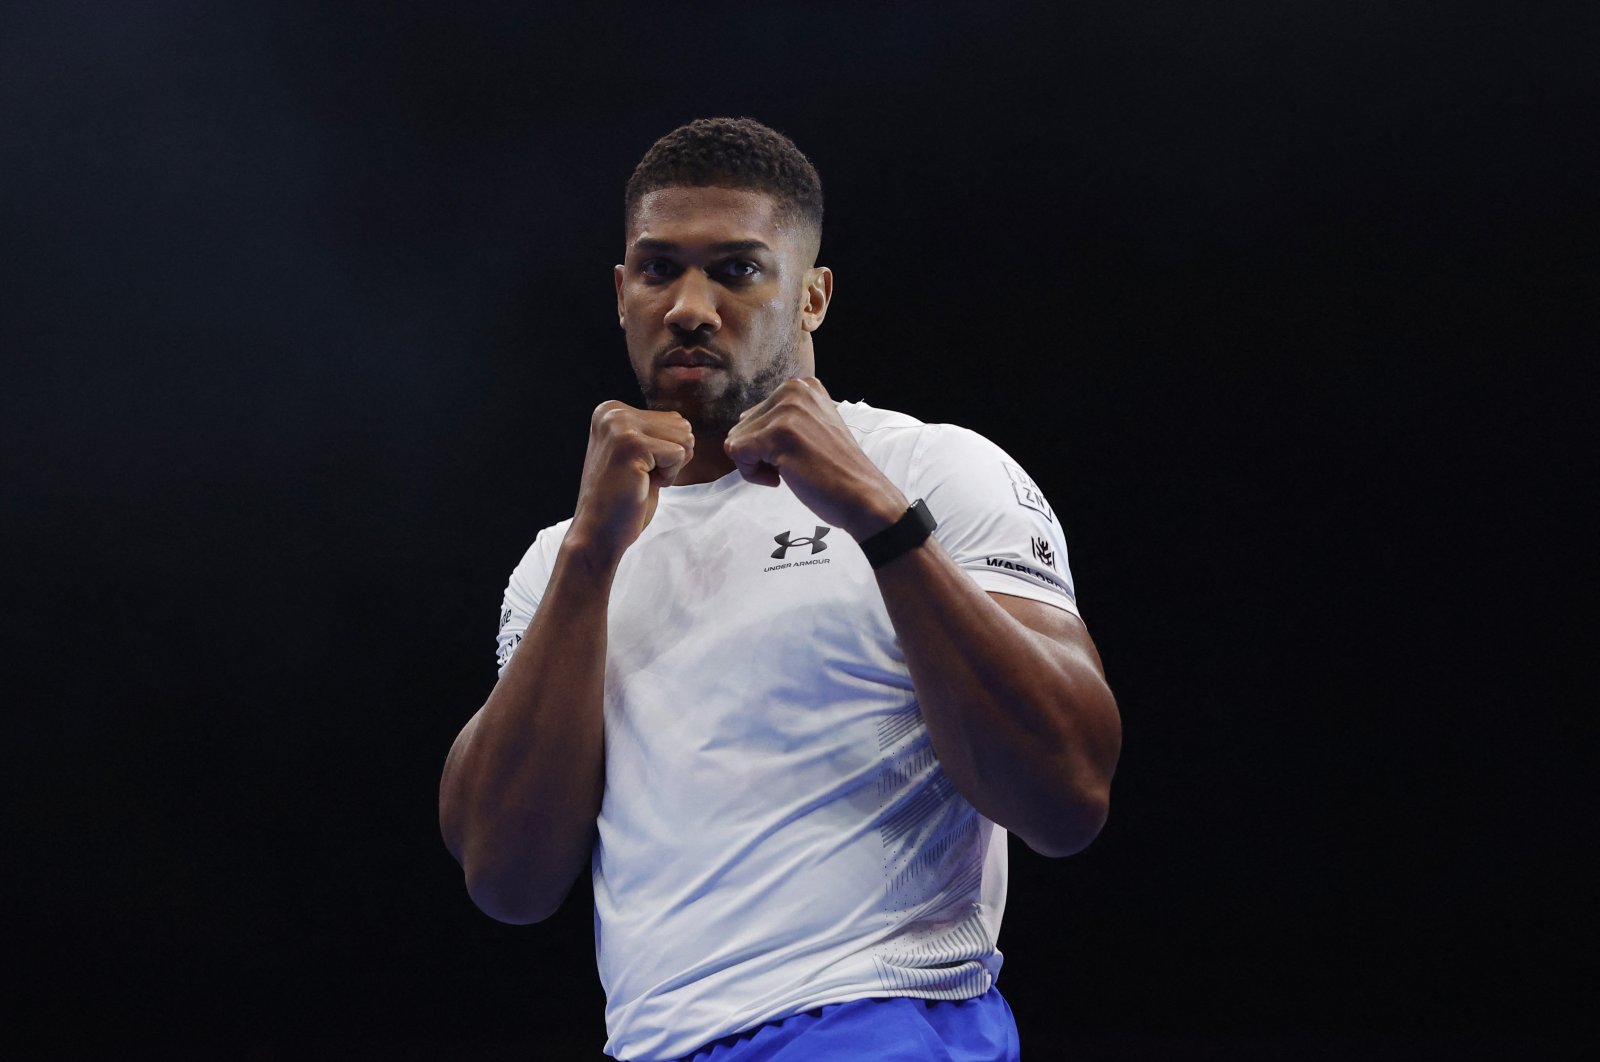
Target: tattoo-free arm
x=1011 y=690
x=1014 y=698
x=522 y=784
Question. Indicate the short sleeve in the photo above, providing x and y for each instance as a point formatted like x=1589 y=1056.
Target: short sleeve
x=993 y=519
x=525 y=590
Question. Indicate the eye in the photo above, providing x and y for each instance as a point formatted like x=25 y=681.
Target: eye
x=657 y=268
x=740 y=269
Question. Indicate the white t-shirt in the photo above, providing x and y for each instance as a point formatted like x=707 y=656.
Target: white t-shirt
x=776 y=833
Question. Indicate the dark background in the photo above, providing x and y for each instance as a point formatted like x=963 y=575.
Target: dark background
x=1290 y=308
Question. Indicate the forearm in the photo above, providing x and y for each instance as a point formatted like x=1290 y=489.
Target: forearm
x=522 y=785
x=1024 y=726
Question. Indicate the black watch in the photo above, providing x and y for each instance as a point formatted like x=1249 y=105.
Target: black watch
x=902 y=536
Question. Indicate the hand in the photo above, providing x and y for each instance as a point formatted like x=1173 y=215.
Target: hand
x=797 y=436
x=632 y=454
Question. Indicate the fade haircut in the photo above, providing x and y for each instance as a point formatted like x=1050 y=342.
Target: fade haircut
x=731 y=153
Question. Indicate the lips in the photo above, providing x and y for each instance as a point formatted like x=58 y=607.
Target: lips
x=688 y=364
x=690 y=358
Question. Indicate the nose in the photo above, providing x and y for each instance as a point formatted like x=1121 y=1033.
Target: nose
x=694 y=306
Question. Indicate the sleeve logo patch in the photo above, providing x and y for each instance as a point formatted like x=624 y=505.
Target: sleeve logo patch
x=1029 y=496
x=1052 y=581
x=1042 y=551
x=507 y=648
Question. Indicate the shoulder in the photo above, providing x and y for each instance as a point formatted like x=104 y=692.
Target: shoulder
x=870 y=420
x=885 y=431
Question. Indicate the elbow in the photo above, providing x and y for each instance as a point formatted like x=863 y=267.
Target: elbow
x=511 y=898
x=498 y=890
x=517 y=884
x=506 y=891
x=1080 y=791
x=1072 y=825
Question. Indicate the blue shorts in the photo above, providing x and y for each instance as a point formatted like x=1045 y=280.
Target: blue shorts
x=901 y=1029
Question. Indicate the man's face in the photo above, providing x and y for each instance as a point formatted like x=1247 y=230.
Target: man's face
x=718 y=300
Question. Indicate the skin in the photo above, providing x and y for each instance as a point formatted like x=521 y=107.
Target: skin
x=1011 y=690
x=687 y=283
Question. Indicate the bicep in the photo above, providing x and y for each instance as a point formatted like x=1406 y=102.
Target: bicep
x=1056 y=625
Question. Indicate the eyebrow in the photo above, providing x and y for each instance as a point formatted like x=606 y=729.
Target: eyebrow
x=649 y=243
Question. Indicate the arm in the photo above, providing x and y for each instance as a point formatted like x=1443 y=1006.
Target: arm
x=1011 y=690
x=1014 y=698
x=522 y=785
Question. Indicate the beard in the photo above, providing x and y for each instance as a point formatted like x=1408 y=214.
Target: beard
x=713 y=415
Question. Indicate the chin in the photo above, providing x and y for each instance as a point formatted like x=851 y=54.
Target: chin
x=706 y=414
x=686 y=405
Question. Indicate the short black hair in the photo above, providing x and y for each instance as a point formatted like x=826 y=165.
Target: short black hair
x=730 y=153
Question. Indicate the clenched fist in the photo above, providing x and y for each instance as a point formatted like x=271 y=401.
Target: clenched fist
x=797 y=436
x=632 y=454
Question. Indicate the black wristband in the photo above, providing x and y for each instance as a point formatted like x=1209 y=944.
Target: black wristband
x=902 y=536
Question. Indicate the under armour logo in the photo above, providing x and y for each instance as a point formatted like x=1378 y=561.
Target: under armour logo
x=815 y=542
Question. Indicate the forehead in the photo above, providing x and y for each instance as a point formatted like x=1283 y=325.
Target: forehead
x=687 y=215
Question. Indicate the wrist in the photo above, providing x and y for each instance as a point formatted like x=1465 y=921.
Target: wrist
x=907 y=533
x=880 y=512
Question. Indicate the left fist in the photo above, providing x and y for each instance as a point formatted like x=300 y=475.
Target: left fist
x=796 y=436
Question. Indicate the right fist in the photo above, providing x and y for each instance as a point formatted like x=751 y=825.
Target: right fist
x=632 y=454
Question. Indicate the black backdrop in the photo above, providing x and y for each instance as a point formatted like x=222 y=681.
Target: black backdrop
x=1288 y=307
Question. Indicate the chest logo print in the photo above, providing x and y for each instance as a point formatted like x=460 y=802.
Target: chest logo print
x=785 y=543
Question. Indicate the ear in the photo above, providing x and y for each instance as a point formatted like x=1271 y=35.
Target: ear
x=818 y=293
x=616 y=275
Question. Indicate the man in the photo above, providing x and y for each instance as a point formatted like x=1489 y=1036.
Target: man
x=786 y=726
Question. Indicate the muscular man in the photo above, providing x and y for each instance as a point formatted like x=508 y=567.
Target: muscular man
x=786 y=727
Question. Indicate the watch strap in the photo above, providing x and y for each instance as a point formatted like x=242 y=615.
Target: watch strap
x=902 y=536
